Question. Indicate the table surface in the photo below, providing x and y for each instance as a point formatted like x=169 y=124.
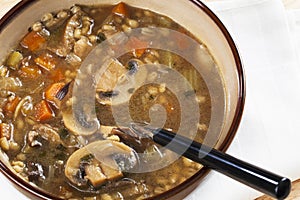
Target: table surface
x=7 y=4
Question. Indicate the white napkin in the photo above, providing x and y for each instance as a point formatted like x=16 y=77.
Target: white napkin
x=269 y=133
x=294 y=24
x=6 y=5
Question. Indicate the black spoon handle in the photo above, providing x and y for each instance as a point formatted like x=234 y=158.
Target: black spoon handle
x=267 y=182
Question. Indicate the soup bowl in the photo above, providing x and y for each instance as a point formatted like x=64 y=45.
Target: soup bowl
x=202 y=23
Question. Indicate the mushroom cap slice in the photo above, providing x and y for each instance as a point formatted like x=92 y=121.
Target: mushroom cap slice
x=109 y=78
x=72 y=123
x=45 y=131
x=75 y=118
x=120 y=82
x=99 y=162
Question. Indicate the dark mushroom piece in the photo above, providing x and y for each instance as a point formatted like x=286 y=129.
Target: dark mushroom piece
x=140 y=144
x=36 y=172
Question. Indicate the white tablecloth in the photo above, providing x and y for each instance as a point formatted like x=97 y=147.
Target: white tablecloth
x=268 y=38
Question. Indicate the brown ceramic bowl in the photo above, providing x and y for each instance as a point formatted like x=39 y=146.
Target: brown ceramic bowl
x=194 y=16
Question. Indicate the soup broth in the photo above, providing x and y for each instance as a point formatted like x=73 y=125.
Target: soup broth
x=39 y=133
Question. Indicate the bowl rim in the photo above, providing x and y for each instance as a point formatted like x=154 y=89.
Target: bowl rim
x=196 y=178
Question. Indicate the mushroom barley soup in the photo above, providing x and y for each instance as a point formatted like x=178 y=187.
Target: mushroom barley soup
x=42 y=138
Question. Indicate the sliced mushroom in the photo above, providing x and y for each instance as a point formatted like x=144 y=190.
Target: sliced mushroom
x=68 y=39
x=77 y=123
x=150 y=154
x=118 y=83
x=94 y=174
x=44 y=131
x=75 y=118
x=47 y=132
x=99 y=162
x=110 y=77
x=68 y=43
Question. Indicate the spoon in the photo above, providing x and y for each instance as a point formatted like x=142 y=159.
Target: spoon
x=260 y=179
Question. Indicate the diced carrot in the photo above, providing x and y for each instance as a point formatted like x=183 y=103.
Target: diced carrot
x=46 y=61
x=43 y=111
x=56 y=75
x=120 y=9
x=33 y=41
x=137 y=46
x=139 y=52
x=5 y=130
x=10 y=106
x=29 y=72
x=52 y=90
